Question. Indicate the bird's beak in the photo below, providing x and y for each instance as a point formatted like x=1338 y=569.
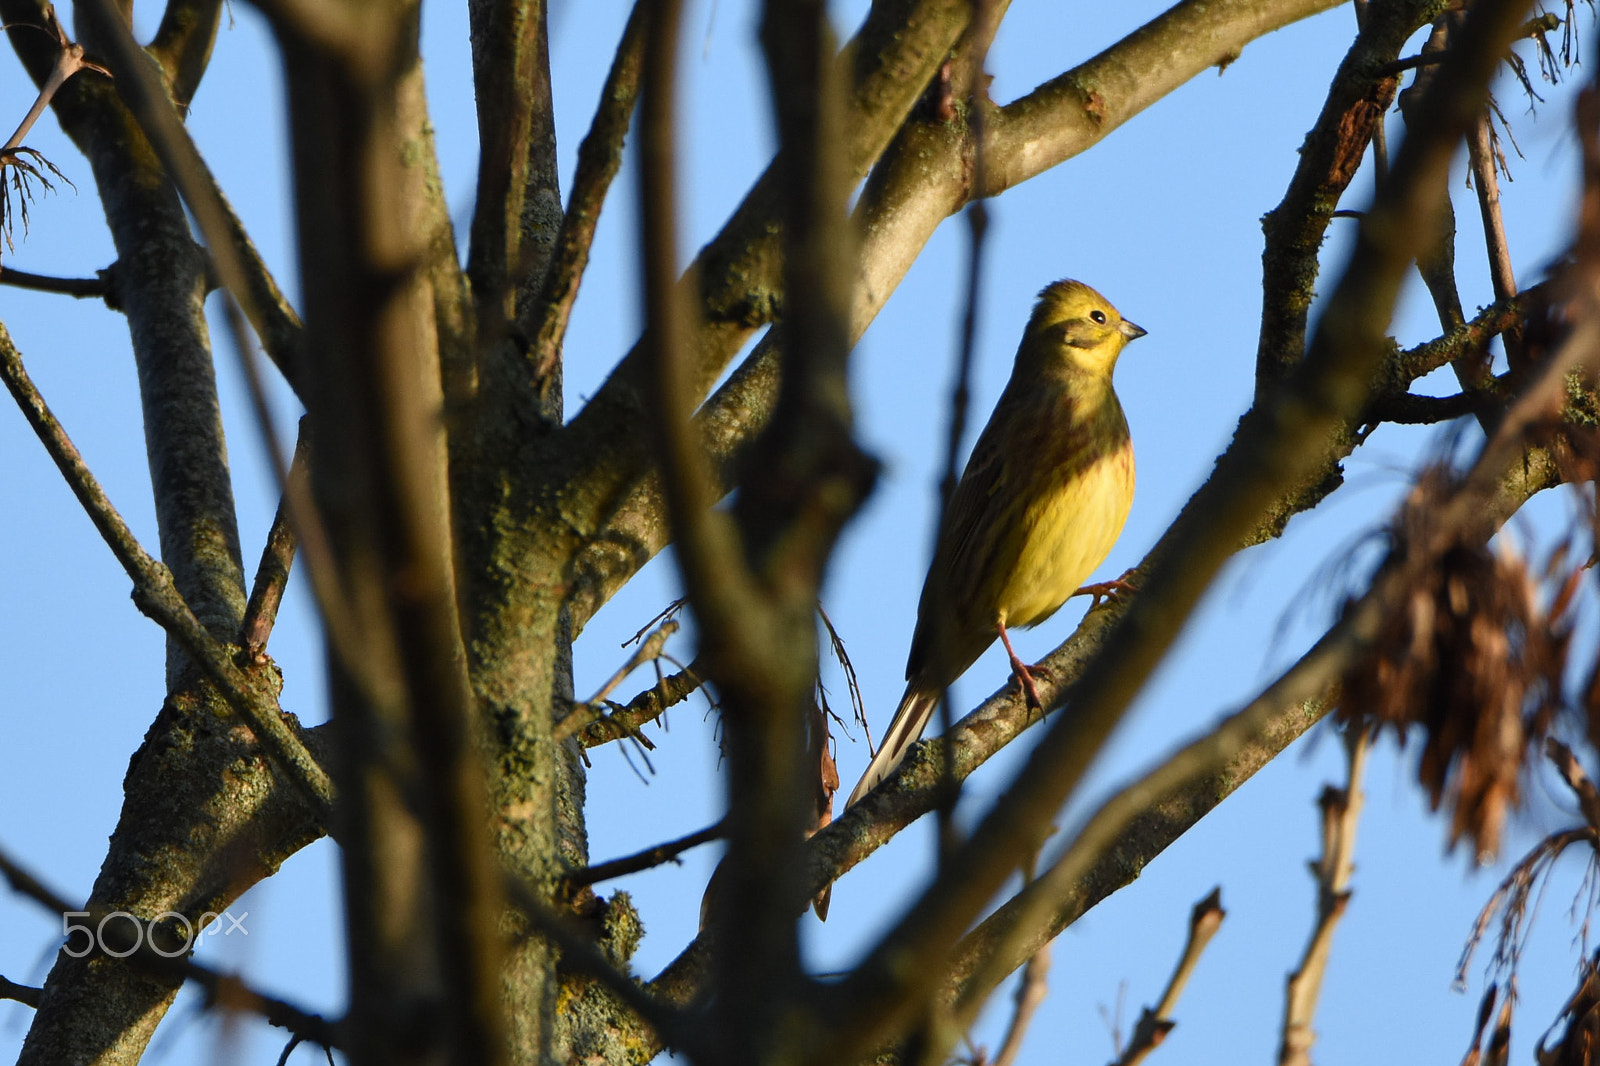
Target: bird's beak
x=1131 y=331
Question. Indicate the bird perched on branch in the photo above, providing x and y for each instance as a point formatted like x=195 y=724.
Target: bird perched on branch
x=1039 y=506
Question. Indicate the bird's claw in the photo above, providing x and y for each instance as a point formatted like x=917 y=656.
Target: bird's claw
x=1105 y=590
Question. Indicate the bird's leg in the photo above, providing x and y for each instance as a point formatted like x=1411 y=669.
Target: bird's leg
x=1019 y=670
x=1106 y=589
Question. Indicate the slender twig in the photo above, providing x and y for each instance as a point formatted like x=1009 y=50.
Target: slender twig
x=599 y=159
x=155 y=594
x=1341 y=814
x=858 y=706
x=277 y=556
x=221 y=989
x=642 y=860
x=647 y=706
x=79 y=287
x=1031 y=992
x=1467 y=338
x=1481 y=158
x=588 y=712
x=69 y=61
x=1156 y=1022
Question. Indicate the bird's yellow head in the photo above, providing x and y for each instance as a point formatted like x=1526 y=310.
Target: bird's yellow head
x=1072 y=319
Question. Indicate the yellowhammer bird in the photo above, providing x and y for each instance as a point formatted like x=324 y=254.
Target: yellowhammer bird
x=1039 y=506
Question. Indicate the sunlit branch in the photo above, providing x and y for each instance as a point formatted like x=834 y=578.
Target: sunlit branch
x=1156 y=1022
x=1341 y=815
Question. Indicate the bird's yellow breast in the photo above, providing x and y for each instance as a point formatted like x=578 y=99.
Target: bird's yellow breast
x=1070 y=529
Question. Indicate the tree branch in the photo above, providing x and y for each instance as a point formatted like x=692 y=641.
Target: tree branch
x=595 y=458
x=27 y=995
x=1356 y=103
x=1156 y=1022
x=239 y=265
x=647 y=706
x=183 y=43
x=79 y=287
x=155 y=594
x=517 y=210
x=599 y=159
x=643 y=860
x=1341 y=815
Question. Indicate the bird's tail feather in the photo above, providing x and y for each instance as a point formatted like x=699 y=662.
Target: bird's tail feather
x=916 y=707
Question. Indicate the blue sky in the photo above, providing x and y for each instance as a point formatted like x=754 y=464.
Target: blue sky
x=1163 y=217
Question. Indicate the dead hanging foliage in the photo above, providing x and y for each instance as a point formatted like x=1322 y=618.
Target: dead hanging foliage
x=21 y=168
x=1506 y=921
x=1471 y=655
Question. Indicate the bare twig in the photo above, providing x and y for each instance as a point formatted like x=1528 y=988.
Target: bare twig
x=1155 y=1023
x=858 y=706
x=25 y=162
x=1468 y=339
x=586 y=713
x=1481 y=157
x=69 y=61
x=79 y=287
x=277 y=556
x=155 y=594
x=1031 y=992
x=1510 y=902
x=1341 y=814
x=647 y=706
x=643 y=860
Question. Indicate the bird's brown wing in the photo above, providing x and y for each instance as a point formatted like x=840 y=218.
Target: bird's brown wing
x=981 y=536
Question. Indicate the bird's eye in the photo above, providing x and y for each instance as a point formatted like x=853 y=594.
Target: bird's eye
x=1098 y=316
